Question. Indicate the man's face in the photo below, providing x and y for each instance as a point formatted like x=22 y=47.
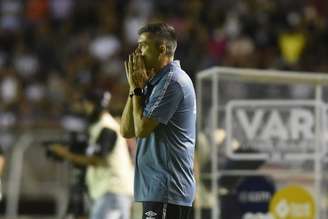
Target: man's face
x=149 y=49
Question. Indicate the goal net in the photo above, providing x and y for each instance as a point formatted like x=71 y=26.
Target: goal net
x=262 y=143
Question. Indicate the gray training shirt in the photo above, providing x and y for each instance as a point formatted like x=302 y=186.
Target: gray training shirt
x=164 y=160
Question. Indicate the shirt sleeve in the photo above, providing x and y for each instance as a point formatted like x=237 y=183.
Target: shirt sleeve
x=106 y=141
x=163 y=102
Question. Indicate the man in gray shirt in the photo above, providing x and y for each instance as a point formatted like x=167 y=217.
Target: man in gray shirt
x=161 y=113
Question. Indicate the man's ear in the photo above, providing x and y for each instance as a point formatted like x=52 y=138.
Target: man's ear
x=162 y=49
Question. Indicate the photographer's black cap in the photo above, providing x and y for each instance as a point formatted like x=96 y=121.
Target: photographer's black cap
x=100 y=98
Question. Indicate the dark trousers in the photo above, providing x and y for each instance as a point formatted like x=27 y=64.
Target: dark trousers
x=158 y=210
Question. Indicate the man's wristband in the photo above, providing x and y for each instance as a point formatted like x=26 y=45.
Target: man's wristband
x=137 y=92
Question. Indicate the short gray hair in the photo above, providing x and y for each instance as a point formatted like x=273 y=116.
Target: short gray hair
x=165 y=33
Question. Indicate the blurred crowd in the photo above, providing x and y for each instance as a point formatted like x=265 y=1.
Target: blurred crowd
x=54 y=51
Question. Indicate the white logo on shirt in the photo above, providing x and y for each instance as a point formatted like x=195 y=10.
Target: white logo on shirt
x=150 y=214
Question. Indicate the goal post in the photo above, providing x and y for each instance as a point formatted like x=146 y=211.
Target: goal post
x=261 y=119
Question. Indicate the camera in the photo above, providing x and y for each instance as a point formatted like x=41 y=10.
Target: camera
x=75 y=141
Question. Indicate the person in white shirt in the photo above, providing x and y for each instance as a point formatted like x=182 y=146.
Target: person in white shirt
x=109 y=168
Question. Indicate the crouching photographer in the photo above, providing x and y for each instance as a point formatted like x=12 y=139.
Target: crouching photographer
x=75 y=140
x=109 y=176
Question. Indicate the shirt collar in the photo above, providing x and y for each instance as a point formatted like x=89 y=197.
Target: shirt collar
x=163 y=71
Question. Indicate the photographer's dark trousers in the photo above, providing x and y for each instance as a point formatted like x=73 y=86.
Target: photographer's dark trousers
x=157 y=210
